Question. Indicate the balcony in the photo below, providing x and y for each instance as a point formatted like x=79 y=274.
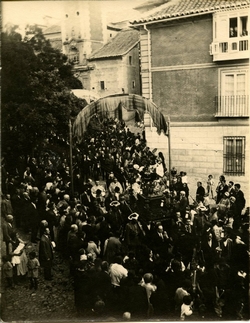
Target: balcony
x=234 y=48
x=232 y=106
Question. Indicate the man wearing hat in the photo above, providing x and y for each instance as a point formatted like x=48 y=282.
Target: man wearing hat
x=133 y=232
x=114 y=217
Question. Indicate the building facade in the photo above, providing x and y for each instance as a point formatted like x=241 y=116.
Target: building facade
x=195 y=67
x=116 y=65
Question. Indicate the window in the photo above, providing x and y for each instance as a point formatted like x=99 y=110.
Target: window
x=243 y=26
x=233 y=99
x=130 y=60
x=233 y=29
x=223 y=47
x=133 y=84
x=238 y=26
x=234 y=155
x=102 y=84
x=230 y=35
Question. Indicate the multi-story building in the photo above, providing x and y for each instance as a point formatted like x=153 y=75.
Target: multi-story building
x=105 y=54
x=116 y=65
x=195 y=67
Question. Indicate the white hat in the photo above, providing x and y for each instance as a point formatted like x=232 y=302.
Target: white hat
x=133 y=216
x=83 y=257
x=114 y=203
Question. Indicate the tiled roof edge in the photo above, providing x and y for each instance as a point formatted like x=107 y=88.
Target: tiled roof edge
x=187 y=13
x=114 y=55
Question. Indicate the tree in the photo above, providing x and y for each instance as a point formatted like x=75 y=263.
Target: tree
x=36 y=99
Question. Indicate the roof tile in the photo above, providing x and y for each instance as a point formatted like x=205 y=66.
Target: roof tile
x=52 y=29
x=119 y=45
x=173 y=8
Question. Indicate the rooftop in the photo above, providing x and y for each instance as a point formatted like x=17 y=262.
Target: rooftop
x=184 y=8
x=120 y=45
x=52 y=29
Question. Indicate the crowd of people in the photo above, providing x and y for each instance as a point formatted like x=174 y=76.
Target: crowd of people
x=129 y=258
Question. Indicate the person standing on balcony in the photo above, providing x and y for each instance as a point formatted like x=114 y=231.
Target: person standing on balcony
x=233 y=32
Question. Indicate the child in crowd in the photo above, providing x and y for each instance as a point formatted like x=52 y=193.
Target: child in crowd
x=186 y=307
x=8 y=270
x=33 y=269
x=210 y=185
x=181 y=292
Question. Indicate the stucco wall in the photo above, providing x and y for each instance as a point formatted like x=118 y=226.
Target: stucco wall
x=186 y=94
x=181 y=43
x=117 y=74
x=109 y=72
x=198 y=150
x=132 y=71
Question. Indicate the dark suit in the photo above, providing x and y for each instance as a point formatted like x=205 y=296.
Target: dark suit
x=33 y=220
x=160 y=244
x=51 y=218
x=209 y=253
x=46 y=255
x=6 y=208
x=240 y=201
x=9 y=235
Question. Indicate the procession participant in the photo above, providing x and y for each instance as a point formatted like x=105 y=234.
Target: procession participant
x=46 y=254
x=97 y=186
x=240 y=199
x=113 y=185
x=200 y=192
x=132 y=235
x=114 y=217
x=9 y=234
x=221 y=188
x=112 y=247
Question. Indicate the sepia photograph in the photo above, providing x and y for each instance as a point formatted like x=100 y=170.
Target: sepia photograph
x=125 y=184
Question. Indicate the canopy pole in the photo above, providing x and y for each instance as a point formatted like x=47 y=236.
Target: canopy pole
x=71 y=157
x=169 y=151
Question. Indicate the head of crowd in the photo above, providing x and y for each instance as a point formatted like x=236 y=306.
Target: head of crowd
x=120 y=211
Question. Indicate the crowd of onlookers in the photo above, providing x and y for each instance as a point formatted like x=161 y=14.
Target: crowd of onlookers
x=178 y=256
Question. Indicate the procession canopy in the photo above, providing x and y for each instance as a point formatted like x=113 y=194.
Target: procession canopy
x=121 y=106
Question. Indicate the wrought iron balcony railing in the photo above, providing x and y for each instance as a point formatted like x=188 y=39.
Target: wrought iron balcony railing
x=232 y=106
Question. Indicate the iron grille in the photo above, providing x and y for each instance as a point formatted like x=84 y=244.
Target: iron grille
x=234 y=155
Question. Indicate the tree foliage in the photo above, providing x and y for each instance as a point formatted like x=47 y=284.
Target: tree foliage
x=36 y=99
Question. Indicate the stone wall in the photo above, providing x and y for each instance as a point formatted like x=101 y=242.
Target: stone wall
x=198 y=150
